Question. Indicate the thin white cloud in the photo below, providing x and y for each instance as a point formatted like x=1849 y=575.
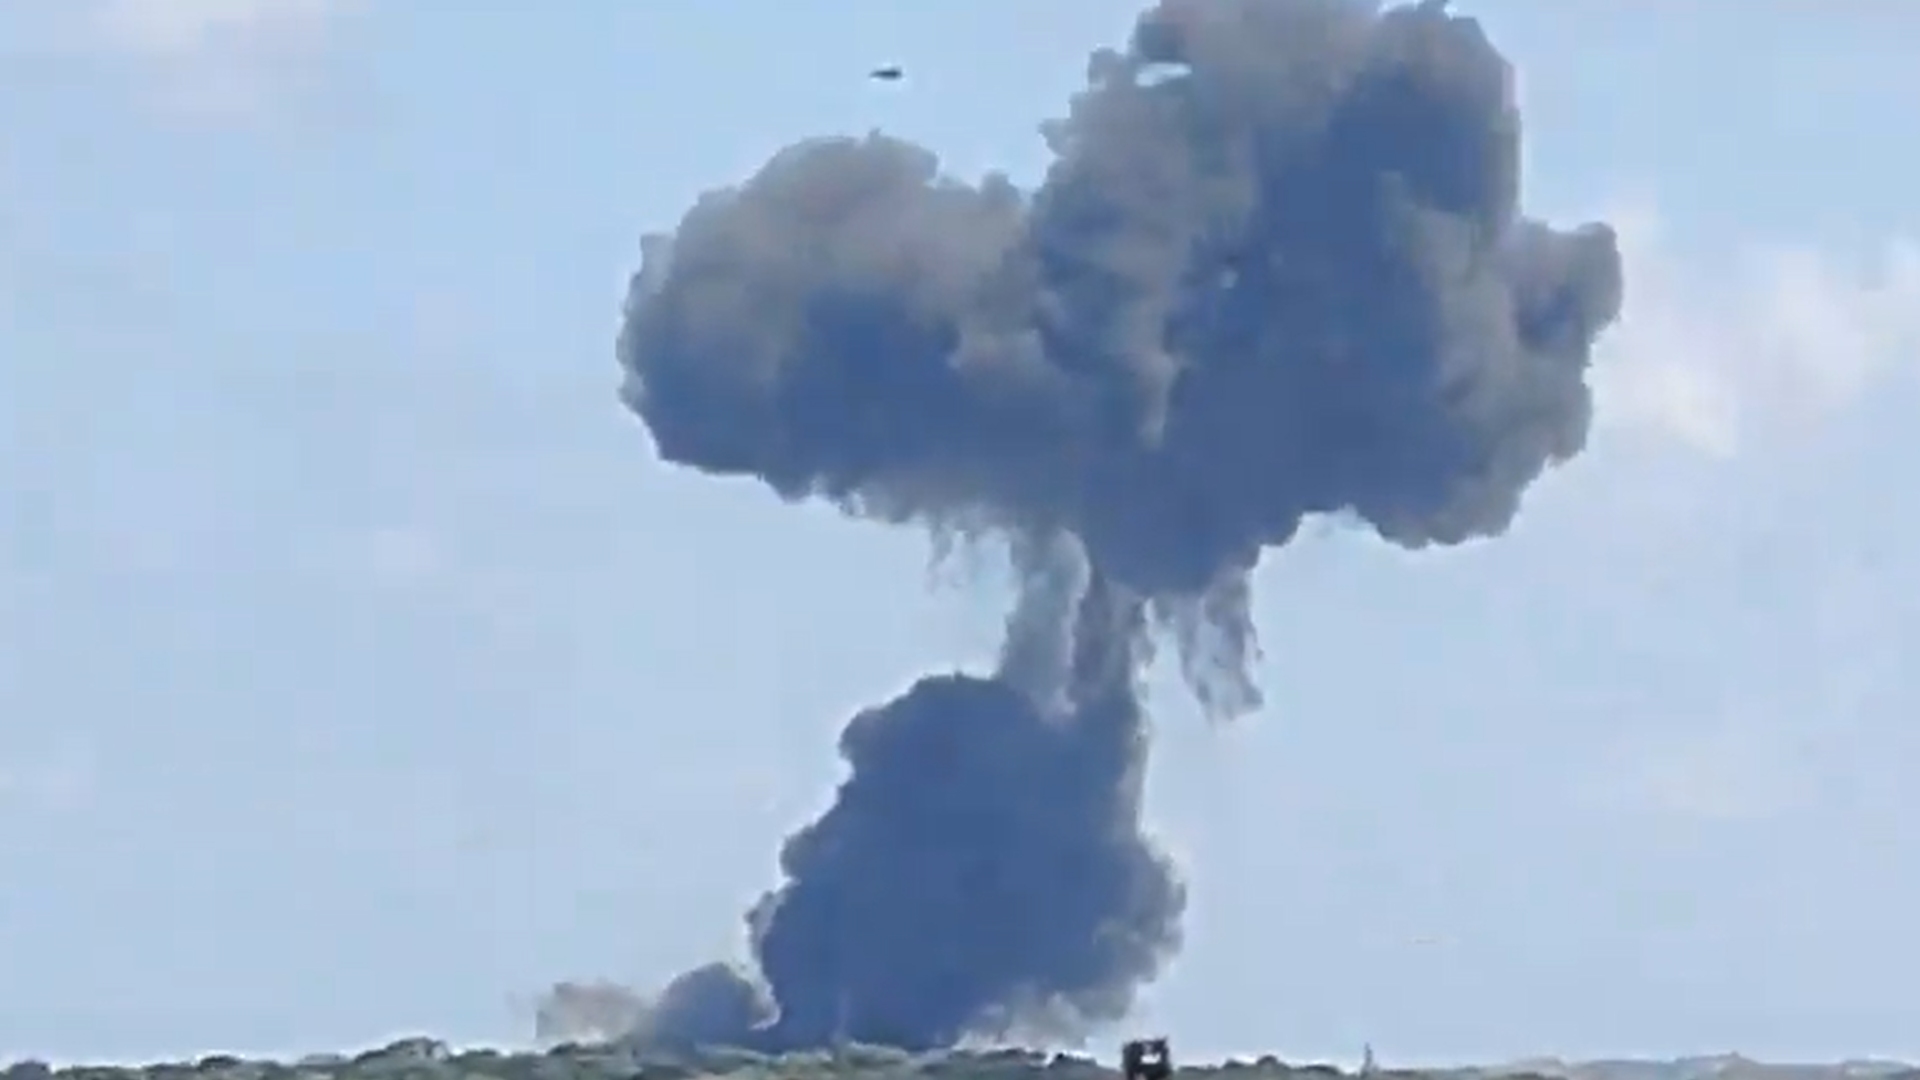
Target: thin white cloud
x=397 y=556
x=1722 y=359
x=1719 y=352
x=188 y=27
x=220 y=58
x=32 y=785
x=1726 y=772
x=1804 y=714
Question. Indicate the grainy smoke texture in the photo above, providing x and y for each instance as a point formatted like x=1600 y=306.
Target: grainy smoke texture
x=587 y=1012
x=1277 y=268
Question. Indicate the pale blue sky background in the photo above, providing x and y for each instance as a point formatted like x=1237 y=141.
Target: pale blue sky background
x=360 y=672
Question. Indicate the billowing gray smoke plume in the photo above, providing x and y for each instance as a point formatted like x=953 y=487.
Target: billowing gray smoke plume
x=1277 y=268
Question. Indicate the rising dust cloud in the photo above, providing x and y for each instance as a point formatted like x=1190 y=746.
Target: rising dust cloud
x=1277 y=268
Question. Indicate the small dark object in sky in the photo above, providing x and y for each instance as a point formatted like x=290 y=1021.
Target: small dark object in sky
x=890 y=73
x=1146 y=1059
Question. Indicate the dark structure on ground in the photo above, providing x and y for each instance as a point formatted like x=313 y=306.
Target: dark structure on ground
x=1146 y=1059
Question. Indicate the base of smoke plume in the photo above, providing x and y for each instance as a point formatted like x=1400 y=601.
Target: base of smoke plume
x=959 y=776
x=724 y=1007
x=982 y=869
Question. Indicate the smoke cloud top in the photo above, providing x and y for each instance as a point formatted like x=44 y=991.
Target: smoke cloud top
x=1277 y=268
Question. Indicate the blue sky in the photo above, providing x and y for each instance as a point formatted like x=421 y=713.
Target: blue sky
x=361 y=674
